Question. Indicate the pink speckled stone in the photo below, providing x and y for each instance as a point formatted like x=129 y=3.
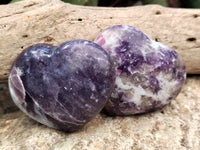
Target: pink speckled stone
x=149 y=74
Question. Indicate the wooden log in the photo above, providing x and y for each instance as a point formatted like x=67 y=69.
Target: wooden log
x=52 y=21
x=176 y=127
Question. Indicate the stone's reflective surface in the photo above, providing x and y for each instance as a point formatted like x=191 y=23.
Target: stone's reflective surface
x=62 y=87
x=149 y=74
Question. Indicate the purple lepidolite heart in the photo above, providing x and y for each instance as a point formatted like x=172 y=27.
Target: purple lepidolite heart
x=62 y=87
x=148 y=74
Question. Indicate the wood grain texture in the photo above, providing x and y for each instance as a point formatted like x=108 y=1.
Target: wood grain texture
x=176 y=127
x=52 y=21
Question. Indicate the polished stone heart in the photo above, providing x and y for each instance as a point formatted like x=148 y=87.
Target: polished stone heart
x=148 y=74
x=62 y=87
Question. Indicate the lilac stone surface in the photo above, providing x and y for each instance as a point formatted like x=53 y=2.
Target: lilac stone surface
x=62 y=87
x=148 y=74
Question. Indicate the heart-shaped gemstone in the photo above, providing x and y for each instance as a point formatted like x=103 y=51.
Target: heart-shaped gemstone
x=62 y=87
x=148 y=74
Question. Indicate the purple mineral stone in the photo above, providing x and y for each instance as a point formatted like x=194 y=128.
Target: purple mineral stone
x=62 y=87
x=148 y=74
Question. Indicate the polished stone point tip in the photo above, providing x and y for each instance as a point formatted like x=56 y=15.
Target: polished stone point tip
x=62 y=87
x=148 y=74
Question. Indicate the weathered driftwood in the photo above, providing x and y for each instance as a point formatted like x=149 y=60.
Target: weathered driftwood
x=176 y=127
x=52 y=21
